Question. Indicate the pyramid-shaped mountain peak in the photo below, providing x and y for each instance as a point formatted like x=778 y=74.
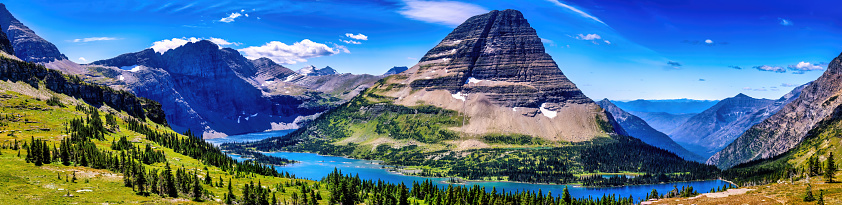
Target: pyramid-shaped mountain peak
x=493 y=67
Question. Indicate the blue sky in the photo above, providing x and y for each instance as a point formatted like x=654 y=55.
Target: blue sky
x=622 y=50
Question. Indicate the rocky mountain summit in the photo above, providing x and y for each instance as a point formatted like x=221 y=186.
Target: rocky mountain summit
x=637 y=128
x=313 y=71
x=788 y=127
x=493 y=69
x=28 y=46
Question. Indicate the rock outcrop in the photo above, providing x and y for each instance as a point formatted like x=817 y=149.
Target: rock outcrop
x=637 y=128
x=788 y=127
x=28 y=46
x=38 y=75
x=5 y=44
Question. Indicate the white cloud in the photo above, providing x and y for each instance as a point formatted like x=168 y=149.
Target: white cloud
x=450 y=13
x=776 y=69
x=588 y=37
x=785 y=22
x=802 y=67
x=607 y=42
x=350 y=41
x=78 y=40
x=167 y=44
x=83 y=59
x=357 y=36
x=708 y=41
x=231 y=17
x=291 y=54
x=788 y=85
x=222 y=42
x=574 y=9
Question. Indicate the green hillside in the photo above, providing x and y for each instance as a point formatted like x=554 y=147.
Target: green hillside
x=423 y=139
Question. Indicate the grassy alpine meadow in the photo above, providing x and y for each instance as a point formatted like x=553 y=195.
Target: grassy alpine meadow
x=24 y=118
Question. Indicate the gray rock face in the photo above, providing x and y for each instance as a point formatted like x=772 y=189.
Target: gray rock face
x=501 y=46
x=709 y=131
x=5 y=44
x=788 y=127
x=637 y=128
x=313 y=71
x=395 y=70
x=269 y=70
x=27 y=45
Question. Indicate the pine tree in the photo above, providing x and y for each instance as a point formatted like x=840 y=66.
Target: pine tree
x=140 y=179
x=197 y=191
x=230 y=196
x=821 y=198
x=830 y=169
x=809 y=197
x=565 y=196
x=170 y=182
x=65 y=153
x=45 y=153
x=404 y=195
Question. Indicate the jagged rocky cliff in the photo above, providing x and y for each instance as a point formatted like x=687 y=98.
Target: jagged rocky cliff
x=313 y=71
x=637 y=128
x=788 y=127
x=28 y=45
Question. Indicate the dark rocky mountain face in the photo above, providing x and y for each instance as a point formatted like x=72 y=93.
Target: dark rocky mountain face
x=500 y=47
x=703 y=133
x=395 y=70
x=662 y=121
x=27 y=45
x=5 y=44
x=269 y=70
x=637 y=128
x=787 y=127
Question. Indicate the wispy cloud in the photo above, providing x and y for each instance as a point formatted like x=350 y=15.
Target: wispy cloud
x=350 y=41
x=357 y=36
x=163 y=46
x=548 y=41
x=83 y=59
x=735 y=67
x=788 y=85
x=594 y=38
x=231 y=17
x=575 y=10
x=673 y=63
x=451 y=13
x=785 y=22
x=777 y=69
x=701 y=79
x=291 y=54
x=755 y=89
x=84 y=40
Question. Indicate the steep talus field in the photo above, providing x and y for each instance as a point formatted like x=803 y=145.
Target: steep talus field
x=637 y=128
x=487 y=103
x=788 y=127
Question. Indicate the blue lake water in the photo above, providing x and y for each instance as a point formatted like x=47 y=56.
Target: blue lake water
x=249 y=137
x=314 y=166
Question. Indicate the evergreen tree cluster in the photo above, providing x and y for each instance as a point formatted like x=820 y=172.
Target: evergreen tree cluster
x=201 y=150
x=347 y=189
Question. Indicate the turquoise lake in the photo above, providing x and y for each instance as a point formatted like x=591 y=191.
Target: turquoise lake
x=314 y=166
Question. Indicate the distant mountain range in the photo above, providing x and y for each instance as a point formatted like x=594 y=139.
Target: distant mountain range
x=708 y=132
x=662 y=121
x=817 y=102
x=672 y=106
x=638 y=128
